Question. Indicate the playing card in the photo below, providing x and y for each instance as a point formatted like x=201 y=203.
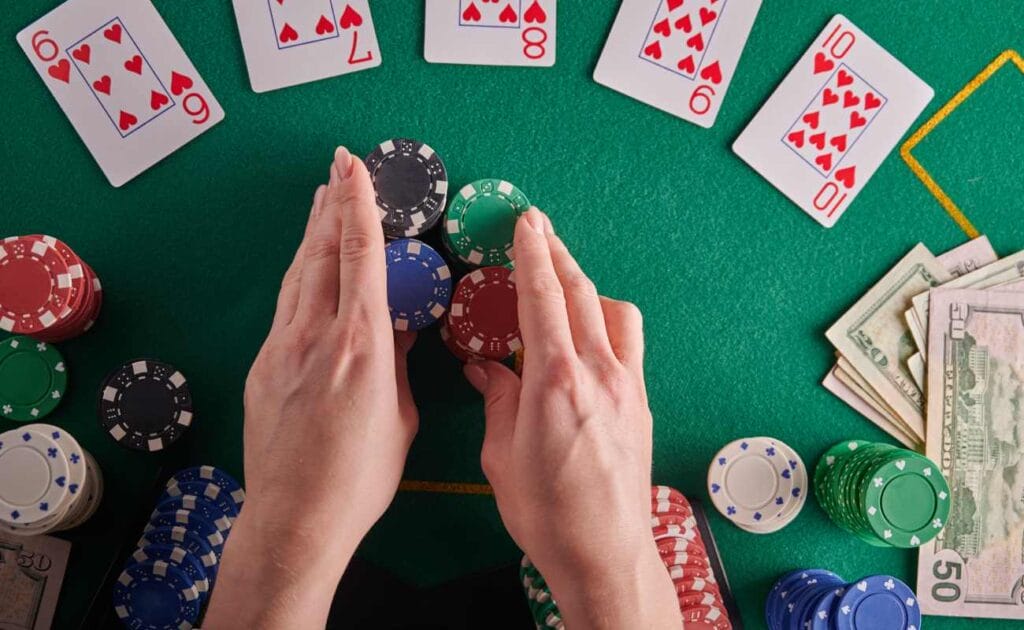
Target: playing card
x=122 y=80
x=677 y=55
x=837 y=114
x=288 y=42
x=490 y=32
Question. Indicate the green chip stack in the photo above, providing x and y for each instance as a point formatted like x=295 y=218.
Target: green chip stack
x=481 y=220
x=884 y=495
x=538 y=596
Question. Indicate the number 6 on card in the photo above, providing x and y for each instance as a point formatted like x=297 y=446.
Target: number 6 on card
x=122 y=80
x=490 y=32
x=836 y=116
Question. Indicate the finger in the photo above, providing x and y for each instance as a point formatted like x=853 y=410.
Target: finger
x=500 y=388
x=543 y=318
x=288 y=298
x=318 y=290
x=625 y=332
x=586 y=319
x=362 y=269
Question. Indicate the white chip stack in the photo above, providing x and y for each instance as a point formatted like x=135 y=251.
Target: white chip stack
x=759 y=484
x=48 y=482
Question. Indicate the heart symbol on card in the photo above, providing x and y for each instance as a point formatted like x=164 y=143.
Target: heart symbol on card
x=822 y=63
x=818 y=140
x=712 y=73
x=653 y=50
x=663 y=28
x=83 y=53
x=535 y=14
x=179 y=83
x=674 y=4
x=158 y=100
x=824 y=161
x=350 y=17
x=471 y=14
x=324 y=26
x=839 y=142
x=846 y=176
x=871 y=101
x=828 y=97
x=134 y=64
x=60 y=70
x=508 y=15
x=811 y=119
x=696 y=42
x=844 y=78
x=850 y=99
x=113 y=33
x=288 y=34
x=707 y=16
x=797 y=138
x=687 y=64
x=126 y=121
x=684 y=24
x=856 y=120
x=102 y=84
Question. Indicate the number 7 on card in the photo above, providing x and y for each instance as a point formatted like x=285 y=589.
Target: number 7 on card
x=836 y=116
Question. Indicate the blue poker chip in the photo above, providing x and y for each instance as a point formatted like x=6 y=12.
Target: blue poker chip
x=820 y=617
x=877 y=602
x=156 y=595
x=805 y=602
x=800 y=592
x=179 y=557
x=193 y=522
x=419 y=284
x=187 y=540
x=210 y=474
x=223 y=512
x=785 y=590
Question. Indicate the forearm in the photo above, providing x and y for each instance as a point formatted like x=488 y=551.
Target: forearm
x=614 y=597
x=275 y=574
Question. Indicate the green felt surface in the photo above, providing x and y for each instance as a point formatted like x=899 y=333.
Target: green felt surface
x=736 y=283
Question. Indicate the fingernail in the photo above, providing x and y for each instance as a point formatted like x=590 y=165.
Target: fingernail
x=334 y=178
x=535 y=220
x=343 y=162
x=476 y=376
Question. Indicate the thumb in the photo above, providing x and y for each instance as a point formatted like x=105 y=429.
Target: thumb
x=404 y=341
x=500 y=389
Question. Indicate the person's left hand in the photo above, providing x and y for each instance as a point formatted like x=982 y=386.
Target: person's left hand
x=329 y=417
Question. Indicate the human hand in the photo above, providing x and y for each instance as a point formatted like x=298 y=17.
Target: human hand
x=568 y=447
x=329 y=417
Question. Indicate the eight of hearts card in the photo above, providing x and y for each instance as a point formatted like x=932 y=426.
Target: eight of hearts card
x=288 y=42
x=832 y=121
x=490 y=32
x=122 y=80
x=677 y=55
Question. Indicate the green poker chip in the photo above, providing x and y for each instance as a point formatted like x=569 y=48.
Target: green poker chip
x=538 y=596
x=481 y=221
x=33 y=379
x=883 y=495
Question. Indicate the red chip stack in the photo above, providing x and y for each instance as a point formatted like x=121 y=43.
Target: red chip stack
x=46 y=290
x=686 y=558
x=483 y=321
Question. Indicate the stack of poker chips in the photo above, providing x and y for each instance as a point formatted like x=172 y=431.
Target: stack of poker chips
x=48 y=482
x=145 y=405
x=33 y=379
x=168 y=579
x=884 y=495
x=815 y=599
x=682 y=550
x=46 y=290
x=759 y=484
x=478 y=319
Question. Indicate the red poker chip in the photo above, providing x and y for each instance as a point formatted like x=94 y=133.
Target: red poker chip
x=688 y=599
x=35 y=285
x=462 y=354
x=679 y=572
x=696 y=579
x=483 y=316
x=663 y=532
x=705 y=618
x=673 y=519
x=666 y=493
x=667 y=507
x=82 y=308
x=672 y=545
x=685 y=560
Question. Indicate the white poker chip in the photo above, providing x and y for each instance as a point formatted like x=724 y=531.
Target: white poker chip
x=33 y=477
x=751 y=483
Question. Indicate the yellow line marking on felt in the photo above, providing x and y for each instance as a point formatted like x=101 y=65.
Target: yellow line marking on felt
x=445 y=487
x=933 y=187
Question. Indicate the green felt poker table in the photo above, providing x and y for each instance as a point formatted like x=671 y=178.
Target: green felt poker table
x=736 y=283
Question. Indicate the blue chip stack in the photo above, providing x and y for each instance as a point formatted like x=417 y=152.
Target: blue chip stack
x=816 y=599
x=419 y=284
x=169 y=578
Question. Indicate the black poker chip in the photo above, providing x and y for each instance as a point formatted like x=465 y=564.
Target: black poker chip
x=145 y=405
x=411 y=185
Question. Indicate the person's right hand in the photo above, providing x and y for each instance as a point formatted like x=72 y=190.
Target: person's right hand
x=568 y=447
